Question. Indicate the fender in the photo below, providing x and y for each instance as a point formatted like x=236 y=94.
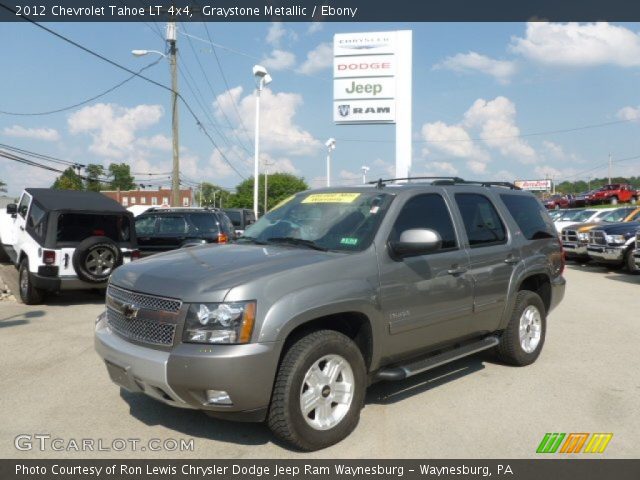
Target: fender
x=302 y=306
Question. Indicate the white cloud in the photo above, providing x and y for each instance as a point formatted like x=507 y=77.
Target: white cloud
x=112 y=127
x=629 y=113
x=275 y=34
x=158 y=142
x=318 y=59
x=477 y=166
x=452 y=140
x=279 y=60
x=498 y=129
x=45 y=134
x=501 y=70
x=443 y=167
x=314 y=27
x=278 y=130
x=579 y=45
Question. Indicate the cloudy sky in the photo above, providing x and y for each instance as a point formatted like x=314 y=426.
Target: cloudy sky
x=499 y=101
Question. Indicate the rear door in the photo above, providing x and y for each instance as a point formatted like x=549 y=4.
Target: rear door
x=492 y=257
x=171 y=232
x=145 y=232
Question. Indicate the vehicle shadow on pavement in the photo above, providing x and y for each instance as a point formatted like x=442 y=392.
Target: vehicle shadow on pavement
x=385 y=393
x=195 y=423
x=75 y=297
x=20 y=319
x=626 y=278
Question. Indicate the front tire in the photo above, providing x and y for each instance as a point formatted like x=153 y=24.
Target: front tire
x=613 y=201
x=630 y=262
x=522 y=341
x=29 y=294
x=319 y=391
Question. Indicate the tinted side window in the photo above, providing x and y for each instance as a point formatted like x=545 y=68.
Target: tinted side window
x=530 y=216
x=36 y=221
x=171 y=225
x=23 y=207
x=145 y=225
x=426 y=211
x=235 y=217
x=481 y=220
x=205 y=223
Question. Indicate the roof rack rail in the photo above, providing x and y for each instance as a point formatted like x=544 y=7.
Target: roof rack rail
x=380 y=183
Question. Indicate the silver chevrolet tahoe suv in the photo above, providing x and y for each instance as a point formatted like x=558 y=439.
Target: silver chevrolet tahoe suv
x=332 y=290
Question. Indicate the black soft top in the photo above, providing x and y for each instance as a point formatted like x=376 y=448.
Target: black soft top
x=54 y=200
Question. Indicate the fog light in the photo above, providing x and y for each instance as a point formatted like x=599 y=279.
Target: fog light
x=218 y=397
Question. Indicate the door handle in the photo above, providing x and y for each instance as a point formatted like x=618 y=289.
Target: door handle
x=511 y=260
x=455 y=270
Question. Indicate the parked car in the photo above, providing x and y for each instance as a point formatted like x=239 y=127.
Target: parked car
x=582 y=199
x=241 y=218
x=614 y=193
x=333 y=290
x=575 y=238
x=556 y=202
x=163 y=229
x=571 y=217
x=614 y=245
x=65 y=240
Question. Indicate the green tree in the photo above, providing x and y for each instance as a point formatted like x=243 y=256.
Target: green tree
x=94 y=174
x=3 y=186
x=68 y=180
x=208 y=192
x=121 y=178
x=280 y=186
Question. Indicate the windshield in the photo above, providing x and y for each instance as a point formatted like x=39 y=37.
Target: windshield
x=577 y=216
x=570 y=215
x=345 y=221
x=617 y=215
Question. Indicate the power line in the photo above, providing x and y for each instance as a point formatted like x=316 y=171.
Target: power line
x=95 y=97
x=122 y=67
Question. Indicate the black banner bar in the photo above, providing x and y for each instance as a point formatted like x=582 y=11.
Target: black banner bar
x=318 y=10
x=583 y=469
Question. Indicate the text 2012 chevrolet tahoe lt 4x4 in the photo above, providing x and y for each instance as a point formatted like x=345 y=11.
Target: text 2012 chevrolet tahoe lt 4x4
x=333 y=290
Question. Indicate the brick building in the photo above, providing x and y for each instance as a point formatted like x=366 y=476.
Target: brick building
x=152 y=198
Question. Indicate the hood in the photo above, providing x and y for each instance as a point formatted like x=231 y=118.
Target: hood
x=618 y=228
x=209 y=271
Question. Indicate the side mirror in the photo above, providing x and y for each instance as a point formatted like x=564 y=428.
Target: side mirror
x=416 y=241
x=12 y=209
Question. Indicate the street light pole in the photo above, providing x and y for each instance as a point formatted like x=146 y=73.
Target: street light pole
x=262 y=78
x=365 y=169
x=266 y=185
x=331 y=145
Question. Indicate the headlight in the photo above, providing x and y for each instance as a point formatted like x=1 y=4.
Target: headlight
x=583 y=236
x=219 y=322
x=615 y=238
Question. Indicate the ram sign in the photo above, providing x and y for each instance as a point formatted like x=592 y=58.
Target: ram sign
x=533 y=185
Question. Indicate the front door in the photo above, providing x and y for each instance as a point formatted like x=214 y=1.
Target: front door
x=426 y=300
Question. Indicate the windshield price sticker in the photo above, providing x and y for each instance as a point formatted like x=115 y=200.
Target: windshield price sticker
x=331 y=198
x=351 y=241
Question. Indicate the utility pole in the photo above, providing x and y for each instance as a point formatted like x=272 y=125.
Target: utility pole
x=365 y=169
x=610 y=167
x=266 y=183
x=173 y=54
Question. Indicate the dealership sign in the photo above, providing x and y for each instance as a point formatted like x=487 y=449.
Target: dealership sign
x=372 y=85
x=534 y=185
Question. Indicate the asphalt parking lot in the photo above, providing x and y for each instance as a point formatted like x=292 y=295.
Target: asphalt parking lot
x=586 y=380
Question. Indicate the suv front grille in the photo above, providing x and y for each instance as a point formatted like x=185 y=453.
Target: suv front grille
x=144 y=331
x=597 y=237
x=145 y=301
x=569 y=236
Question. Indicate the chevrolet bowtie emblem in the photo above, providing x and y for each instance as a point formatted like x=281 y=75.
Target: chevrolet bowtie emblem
x=130 y=311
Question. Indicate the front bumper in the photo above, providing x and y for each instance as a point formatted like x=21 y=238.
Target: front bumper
x=606 y=254
x=575 y=250
x=181 y=376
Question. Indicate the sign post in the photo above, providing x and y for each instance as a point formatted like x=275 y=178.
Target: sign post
x=372 y=85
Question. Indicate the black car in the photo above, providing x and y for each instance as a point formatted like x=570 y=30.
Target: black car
x=241 y=218
x=163 y=229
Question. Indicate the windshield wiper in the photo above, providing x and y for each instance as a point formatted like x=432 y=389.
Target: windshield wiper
x=252 y=240
x=297 y=241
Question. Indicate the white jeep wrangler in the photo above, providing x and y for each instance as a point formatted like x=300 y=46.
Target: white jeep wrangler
x=65 y=240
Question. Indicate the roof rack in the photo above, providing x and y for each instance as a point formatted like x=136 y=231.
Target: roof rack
x=380 y=183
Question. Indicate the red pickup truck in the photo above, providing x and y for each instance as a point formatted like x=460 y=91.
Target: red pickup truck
x=614 y=193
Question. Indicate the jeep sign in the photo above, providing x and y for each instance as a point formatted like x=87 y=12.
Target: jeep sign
x=364 y=111
x=363 y=88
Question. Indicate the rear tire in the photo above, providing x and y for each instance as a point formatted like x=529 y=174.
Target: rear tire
x=613 y=201
x=324 y=369
x=523 y=339
x=29 y=294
